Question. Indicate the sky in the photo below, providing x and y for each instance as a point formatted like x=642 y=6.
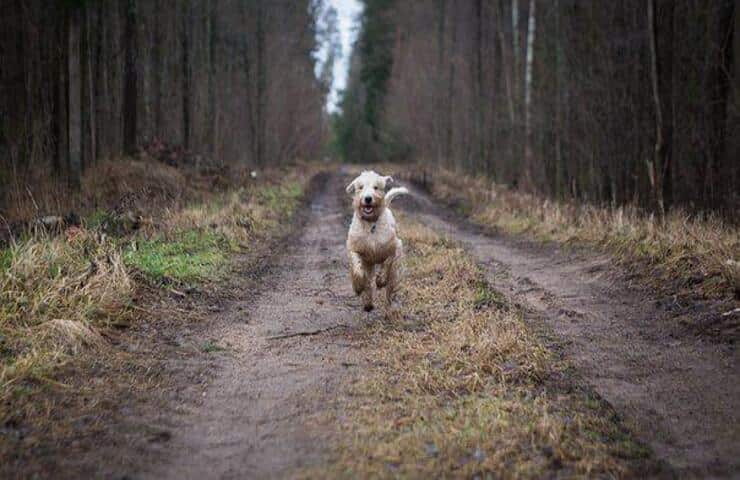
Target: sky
x=347 y=12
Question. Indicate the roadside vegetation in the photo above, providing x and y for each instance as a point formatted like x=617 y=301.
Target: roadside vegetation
x=460 y=387
x=690 y=253
x=66 y=292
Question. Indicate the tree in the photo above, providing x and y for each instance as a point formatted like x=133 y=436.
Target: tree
x=529 y=148
x=660 y=24
x=130 y=84
x=74 y=93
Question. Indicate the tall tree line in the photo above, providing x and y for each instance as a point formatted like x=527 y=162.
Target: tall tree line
x=634 y=101
x=228 y=81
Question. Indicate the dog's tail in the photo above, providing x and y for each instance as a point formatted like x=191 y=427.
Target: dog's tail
x=393 y=193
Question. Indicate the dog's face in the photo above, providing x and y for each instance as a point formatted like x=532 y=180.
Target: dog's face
x=368 y=192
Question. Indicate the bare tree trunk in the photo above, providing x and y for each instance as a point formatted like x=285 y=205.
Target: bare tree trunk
x=450 y=92
x=661 y=46
x=130 y=88
x=719 y=81
x=529 y=174
x=211 y=65
x=261 y=83
x=74 y=101
x=88 y=94
x=157 y=67
x=480 y=152
x=560 y=186
x=505 y=66
x=248 y=107
x=515 y=45
x=61 y=89
x=186 y=71
x=440 y=104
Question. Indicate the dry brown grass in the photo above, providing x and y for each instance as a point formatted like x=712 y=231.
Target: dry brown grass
x=461 y=388
x=700 y=251
x=53 y=292
x=60 y=295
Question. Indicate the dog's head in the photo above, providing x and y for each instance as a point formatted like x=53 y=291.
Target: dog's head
x=368 y=192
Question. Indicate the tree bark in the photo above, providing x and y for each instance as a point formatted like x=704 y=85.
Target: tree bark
x=560 y=182
x=61 y=117
x=719 y=81
x=186 y=75
x=529 y=173
x=480 y=140
x=130 y=87
x=89 y=152
x=261 y=83
x=449 y=124
x=211 y=65
x=157 y=67
x=74 y=100
x=660 y=24
x=248 y=94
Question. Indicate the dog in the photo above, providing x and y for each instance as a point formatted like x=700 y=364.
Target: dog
x=375 y=251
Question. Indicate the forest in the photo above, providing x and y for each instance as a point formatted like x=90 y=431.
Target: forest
x=347 y=239
x=607 y=102
x=208 y=83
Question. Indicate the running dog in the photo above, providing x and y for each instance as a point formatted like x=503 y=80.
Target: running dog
x=375 y=251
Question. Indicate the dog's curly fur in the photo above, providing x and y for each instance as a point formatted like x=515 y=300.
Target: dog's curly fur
x=375 y=251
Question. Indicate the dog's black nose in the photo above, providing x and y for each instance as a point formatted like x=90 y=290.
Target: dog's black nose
x=368 y=200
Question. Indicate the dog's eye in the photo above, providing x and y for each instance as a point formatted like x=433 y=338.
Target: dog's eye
x=375 y=187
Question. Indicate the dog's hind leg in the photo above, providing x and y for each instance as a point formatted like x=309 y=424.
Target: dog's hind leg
x=393 y=272
x=369 y=292
x=381 y=278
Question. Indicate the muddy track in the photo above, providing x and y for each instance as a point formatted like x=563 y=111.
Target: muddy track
x=259 y=408
x=679 y=394
x=262 y=415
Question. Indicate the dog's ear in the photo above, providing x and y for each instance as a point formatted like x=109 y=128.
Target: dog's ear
x=351 y=187
x=388 y=180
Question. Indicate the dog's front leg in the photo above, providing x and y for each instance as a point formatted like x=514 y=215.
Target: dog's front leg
x=369 y=292
x=357 y=273
x=363 y=282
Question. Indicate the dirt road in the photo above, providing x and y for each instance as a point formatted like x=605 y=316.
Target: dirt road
x=680 y=394
x=287 y=348
x=292 y=341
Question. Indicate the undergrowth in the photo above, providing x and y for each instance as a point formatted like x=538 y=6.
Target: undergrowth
x=460 y=388
x=60 y=294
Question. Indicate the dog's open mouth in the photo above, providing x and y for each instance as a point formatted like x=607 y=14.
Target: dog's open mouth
x=367 y=210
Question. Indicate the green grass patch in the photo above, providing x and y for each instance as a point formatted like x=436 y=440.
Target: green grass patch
x=191 y=256
x=487 y=297
x=97 y=218
x=6 y=256
x=280 y=198
x=211 y=347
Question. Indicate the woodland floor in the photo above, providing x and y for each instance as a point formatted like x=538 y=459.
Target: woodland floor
x=267 y=397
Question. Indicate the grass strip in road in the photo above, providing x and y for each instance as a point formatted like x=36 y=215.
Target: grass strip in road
x=461 y=388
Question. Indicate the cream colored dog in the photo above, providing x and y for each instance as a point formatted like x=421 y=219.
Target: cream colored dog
x=372 y=241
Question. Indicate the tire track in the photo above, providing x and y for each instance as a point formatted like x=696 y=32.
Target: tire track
x=679 y=394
